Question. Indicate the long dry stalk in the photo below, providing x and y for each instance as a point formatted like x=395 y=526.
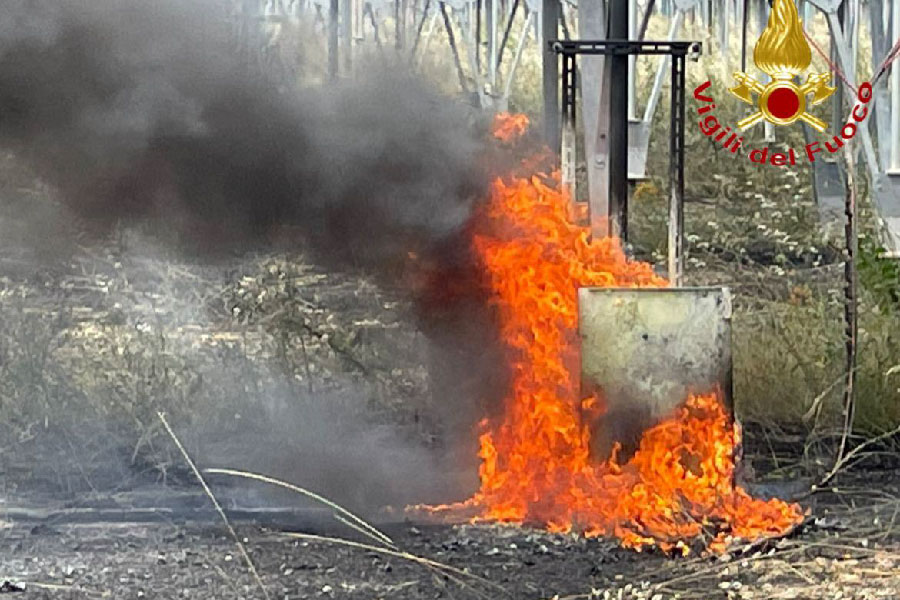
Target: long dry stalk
x=55 y=587
x=361 y=525
x=427 y=562
x=851 y=305
x=231 y=531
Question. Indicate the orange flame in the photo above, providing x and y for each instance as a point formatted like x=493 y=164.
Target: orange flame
x=508 y=127
x=536 y=461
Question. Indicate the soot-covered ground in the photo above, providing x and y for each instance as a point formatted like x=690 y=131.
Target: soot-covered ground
x=847 y=549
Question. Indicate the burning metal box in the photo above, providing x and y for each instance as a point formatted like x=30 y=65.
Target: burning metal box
x=644 y=350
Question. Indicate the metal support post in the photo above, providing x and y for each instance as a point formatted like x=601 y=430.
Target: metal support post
x=592 y=25
x=550 y=10
x=618 y=125
x=530 y=18
x=658 y=81
x=509 y=24
x=879 y=27
x=632 y=35
x=745 y=22
x=493 y=14
x=568 y=154
x=347 y=35
x=418 y=37
x=894 y=164
x=676 y=175
x=399 y=23
x=333 y=39
x=452 y=40
x=645 y=20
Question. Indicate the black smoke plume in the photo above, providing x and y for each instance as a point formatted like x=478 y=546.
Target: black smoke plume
x=143 y=112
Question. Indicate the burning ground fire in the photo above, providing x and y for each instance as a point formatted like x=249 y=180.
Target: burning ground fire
x=536 y=460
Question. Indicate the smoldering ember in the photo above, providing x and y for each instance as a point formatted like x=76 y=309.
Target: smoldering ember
x=407 y=300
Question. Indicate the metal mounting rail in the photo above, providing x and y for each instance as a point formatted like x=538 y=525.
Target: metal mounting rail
x=620 y=47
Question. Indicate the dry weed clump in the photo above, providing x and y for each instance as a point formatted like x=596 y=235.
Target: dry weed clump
x=83 y=375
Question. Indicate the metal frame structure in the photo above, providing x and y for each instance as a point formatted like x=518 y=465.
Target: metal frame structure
x=476 y=33
x=678 y=51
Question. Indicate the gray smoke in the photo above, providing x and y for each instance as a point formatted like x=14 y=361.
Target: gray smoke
x=143 y=112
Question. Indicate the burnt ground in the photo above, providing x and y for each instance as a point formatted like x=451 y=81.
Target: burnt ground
x=186 y=321
x=848 y=548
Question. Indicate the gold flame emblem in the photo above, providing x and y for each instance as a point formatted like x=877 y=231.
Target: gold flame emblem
x=783 y=53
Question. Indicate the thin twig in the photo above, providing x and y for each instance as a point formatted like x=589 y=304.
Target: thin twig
x=234 y=535
x=370 y=530
x=838 y=465
x=360 y=530
x=720 y=566
x=817 y=401
x=399 y=554
x=53 y=586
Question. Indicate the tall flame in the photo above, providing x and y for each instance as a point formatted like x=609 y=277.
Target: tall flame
x=507 y=127
x=537 y=465
x=782 y=50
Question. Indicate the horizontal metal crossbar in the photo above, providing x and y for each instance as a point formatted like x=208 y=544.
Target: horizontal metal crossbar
x=620 y=47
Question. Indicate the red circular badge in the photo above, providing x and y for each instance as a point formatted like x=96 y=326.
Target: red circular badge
x=783 y=103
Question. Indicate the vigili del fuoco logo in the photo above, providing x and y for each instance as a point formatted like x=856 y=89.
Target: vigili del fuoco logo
x=783 y=53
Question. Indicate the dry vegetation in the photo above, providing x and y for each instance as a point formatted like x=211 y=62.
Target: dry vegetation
x=92 y=346
x=95 y=343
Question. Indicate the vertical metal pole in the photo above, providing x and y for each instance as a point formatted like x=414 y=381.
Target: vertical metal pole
x=450 y=38
x=632 y=35
x=550 y=10
x=674 y=26
x=523 y=37
x=645 y=20
x=477 y=6
x=879 y=121
x=412 y=52
x=426 y=37
x=837 y=106
x=724 y=23
x=347 y=35
x=509 y=24
x=844 y=60
x=763 y=16
x=493 y=22
x=359 y=24
x=567 y=154
x=399 y=23
x=397 y=43
x=598 y=169
x=593 y=25
x=809 y=12
x=618 y=124
x=468 y=25
x=676 y=175
x=895 y=92
x=333 y=39
x=745 y=21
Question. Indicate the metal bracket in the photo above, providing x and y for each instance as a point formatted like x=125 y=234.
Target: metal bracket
x=678 y=51
x=625 y=47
